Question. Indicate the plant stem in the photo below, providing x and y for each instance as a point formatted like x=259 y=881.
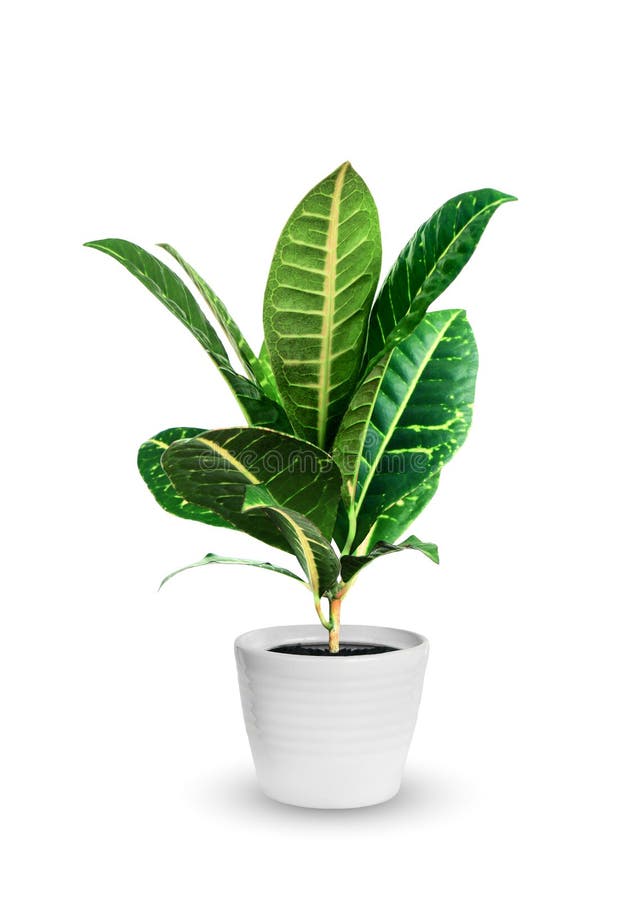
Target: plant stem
x=335 y=615
x=335 y=622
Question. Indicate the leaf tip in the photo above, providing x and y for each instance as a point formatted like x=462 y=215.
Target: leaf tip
x=433 y=553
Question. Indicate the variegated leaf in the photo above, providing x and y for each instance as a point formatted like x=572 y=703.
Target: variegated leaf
x=238 y=342
x=429 y=262
x=214 y=469
x=170 y=290
x=315 y=555
x=266 y=364
x=407 y=418
x=149 y=464
x=396 y=518
x=352 y=565
x=318 y=299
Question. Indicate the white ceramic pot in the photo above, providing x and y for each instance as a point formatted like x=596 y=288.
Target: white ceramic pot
x=330 y=732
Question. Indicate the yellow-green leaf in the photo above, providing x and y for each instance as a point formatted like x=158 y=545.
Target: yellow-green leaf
x=318 y=299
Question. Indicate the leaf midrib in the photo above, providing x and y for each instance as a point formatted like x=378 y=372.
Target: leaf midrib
x=225 y=454
x=313 y=572
x=329 y=289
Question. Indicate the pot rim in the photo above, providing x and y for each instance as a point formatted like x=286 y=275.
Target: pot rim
x=260 y=641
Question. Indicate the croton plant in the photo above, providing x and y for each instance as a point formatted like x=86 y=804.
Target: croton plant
x=355 y=402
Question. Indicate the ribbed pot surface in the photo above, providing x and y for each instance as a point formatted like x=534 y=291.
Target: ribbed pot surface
x=330 y=732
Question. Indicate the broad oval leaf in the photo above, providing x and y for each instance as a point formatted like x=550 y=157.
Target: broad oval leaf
x=170 y=290
x=407 y=418
x=213 y=558
x=157 y=481
x=313 y=551
x=318 y=299
x=352 y=565
x=214 y=469
x=429 y=262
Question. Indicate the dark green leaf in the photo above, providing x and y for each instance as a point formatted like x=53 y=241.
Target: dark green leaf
x=407 y=418
x=315 y=555
x=428 y=263
x=170 y=290
x=240 y=345
x=318 y=298
x=214 y=469
x=213 y=558
x=351 y=565
x=395 y=519
x=157 y=481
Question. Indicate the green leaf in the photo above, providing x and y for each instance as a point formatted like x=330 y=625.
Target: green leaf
x=392 y=521
x=258 y=409
x=315 y=555
x=238 y=342
x=170 y=290
x=318 y=299
x=266 y=364
x=340 y=534
x=149 y=464
x=351 y=565
x=211 y=558
x=407 y=418
x=214 y=469
x=428 y=263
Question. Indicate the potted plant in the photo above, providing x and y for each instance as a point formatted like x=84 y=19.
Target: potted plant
x=354 y=404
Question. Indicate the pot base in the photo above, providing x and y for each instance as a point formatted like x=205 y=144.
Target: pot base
x=330 y=802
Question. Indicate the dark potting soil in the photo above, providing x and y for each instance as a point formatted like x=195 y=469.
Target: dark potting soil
x=345 y=649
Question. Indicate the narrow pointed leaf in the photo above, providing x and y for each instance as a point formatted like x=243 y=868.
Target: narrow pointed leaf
x=170 y=290
x=356 y=432
x=351 y=565
x=314 y=552
x=252 y=365
x=214 y=469
x=149 y=464
x=213 y=558
x=318 y=299
x=428 y=263
x=407 y=418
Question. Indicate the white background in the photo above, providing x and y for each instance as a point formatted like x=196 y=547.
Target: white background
x=125 y=769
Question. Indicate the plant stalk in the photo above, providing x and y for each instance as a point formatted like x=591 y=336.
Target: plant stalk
x=335 y=622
